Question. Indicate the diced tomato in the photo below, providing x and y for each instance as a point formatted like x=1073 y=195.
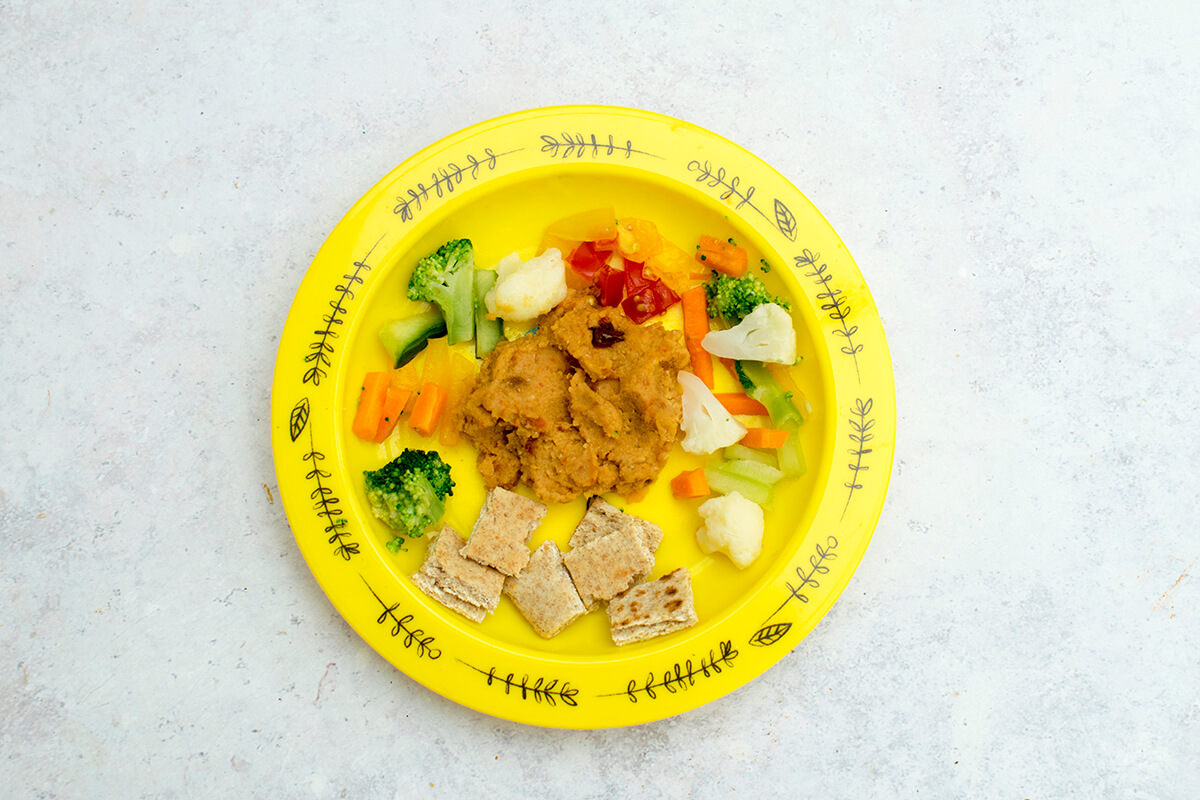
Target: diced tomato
x=652 y=300
x=585 y=261
x=635 y=278
x=610 y=284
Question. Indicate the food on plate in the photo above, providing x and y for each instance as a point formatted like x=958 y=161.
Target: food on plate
x=653 y=609
x=586 y=404
x=760 y=383
x=544 y=593
x=405 y=338
x=458 y=583
x=765 y=334
x=578 y=388
x=733 y=525
x=603 y=518
x=487 y=328
x=689 y=484
x=732 y=299
x=446 y=278
x=409 y=492
x=724 y=257
x=500 y=538
x=525 y=290
x=607 y=566
x=706 y=424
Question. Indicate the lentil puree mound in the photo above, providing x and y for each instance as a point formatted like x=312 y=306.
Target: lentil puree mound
x=589 y=403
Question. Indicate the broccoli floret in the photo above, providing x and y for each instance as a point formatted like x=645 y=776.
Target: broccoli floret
x=409 y=492
x=734 y=298
x=446 y=278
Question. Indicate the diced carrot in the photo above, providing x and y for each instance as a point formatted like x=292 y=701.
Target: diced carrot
x=370 y=404
x=766 y=438
x=738 y=403
x=393 y=407
x=690 y=483
x=427 y=411
x=462 y=378
x=723 y=256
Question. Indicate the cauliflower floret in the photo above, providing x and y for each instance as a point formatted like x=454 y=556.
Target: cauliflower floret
x=525 y=290
x=707 y=426
x=732 y=525
x=764 y=335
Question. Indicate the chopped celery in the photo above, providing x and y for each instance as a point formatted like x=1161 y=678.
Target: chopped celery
x=487 y=331
x=724 y=483
x=760 y=384
x=791 y=457
x=736 y=451
x=751 y=470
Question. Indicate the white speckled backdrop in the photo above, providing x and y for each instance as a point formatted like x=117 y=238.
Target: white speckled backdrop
x=1018 y=183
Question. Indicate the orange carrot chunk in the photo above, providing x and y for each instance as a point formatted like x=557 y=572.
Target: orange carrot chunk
x=393 y=407
x=690 y=483
x=738 y=403
x=722 y=256
x=766 y=438
x=370 y=404
x=427 y=411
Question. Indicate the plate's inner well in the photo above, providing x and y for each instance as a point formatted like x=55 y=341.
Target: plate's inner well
x=510 y=215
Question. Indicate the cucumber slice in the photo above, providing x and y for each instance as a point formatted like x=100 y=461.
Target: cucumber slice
x=406 y=337
x=487 y=331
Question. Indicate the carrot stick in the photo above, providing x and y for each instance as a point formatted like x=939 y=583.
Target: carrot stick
x=695 y=326
x=690 y=483
x=766 y=438
x=427 y=411
x=370 y=404
x=738 y=403
x=393 y=407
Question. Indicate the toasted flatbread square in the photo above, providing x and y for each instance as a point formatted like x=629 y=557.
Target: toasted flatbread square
x=605 y=567
x=603 y=518
x=544 y=593
x=500 y=538
x=446 y=573
x=653 y=609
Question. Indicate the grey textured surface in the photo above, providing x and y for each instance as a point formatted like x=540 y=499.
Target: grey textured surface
x=1017 y=182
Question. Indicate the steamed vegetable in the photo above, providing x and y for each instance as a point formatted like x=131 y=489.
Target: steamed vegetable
x=764 y=335
x=409 y=492
x=734 y=526
x=446 y=278
x=734 y=298
x=760 y=384
x=707 y=426
x=405 y=338
x=525 y=290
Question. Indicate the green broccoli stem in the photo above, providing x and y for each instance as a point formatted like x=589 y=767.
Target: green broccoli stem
x=760 y=384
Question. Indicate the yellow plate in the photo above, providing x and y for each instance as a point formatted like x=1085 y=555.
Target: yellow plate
x=499 y=183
